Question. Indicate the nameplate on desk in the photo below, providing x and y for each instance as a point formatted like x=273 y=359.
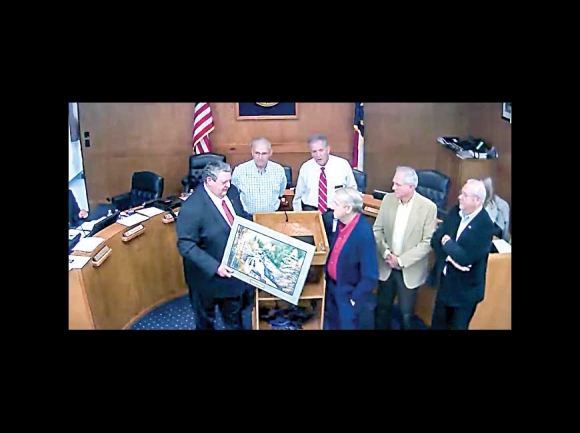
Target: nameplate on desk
x=133 y=231
x=371 y=210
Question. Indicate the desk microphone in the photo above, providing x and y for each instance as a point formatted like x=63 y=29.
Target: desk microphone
x=172 y=214
x=286 y=216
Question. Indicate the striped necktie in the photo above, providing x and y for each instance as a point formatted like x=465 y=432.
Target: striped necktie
x=229 y=215
x=322 y=206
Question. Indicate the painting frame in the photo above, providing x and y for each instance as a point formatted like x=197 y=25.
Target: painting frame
x=506 y=111
x=268 y=260
x=266 y=111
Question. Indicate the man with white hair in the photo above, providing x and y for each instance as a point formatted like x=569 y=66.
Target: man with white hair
x=402 y=230
x=462 y=244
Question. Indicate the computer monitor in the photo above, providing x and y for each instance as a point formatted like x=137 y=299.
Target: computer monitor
x=104 y=223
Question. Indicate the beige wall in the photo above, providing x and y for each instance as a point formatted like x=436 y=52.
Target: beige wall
x=127 y=137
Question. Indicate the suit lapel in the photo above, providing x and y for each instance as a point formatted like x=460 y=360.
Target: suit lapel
x=471 y=225
x=213 y=213
x=454 y=221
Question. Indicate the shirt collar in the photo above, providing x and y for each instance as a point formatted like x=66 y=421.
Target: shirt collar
x=410 y=202
x=471 y=215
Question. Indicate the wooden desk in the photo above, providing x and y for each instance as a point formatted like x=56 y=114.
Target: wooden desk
x=137 y=276
x=371 y=205
x=495 y=311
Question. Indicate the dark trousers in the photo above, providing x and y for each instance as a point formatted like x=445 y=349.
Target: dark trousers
x=451 y=317
x=230 y=313
x=339 y=313
x=394 y=287
x=308 y=207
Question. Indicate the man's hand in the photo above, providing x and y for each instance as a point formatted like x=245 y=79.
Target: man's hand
x=224 y=271
x=444 y=239
x=83 y=214
x=457 y=265
x=392 y=261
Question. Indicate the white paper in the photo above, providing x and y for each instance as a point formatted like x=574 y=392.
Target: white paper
x=88 y=225
x=502 y=246
x=87 y=245
x=73 y=232
x=150 y=211
x=77 y=262
x=132 y=220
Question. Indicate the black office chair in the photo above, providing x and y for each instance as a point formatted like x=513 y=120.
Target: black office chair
x=145 y=186
x=288 y=172
x=196 y=165
x=361 y=180
x=435 y=186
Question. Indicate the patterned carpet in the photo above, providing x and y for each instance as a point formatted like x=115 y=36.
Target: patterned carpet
x=178 y=315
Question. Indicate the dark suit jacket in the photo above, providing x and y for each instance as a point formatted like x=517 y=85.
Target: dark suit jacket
x=472 y=248
x=357 y=268
x=202 y=235
x=73 y=210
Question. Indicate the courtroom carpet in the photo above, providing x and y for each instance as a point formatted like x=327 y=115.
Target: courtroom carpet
x=177 y=314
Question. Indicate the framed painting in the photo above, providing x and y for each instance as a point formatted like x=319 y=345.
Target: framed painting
x=266 y=110
x=271 y=261
x=506 y=111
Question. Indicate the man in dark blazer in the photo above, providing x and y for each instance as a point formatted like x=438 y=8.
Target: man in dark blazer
x=76 y=215
x=203 y=228
x=462 y=244
x=352 y=269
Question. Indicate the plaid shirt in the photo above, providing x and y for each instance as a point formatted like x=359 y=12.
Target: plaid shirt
x=260 y=191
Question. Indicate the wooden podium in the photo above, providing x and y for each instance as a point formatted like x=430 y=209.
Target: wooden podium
x=297 y=224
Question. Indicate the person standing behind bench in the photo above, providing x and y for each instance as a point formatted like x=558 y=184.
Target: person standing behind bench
x=319 y=177
x=261 y=182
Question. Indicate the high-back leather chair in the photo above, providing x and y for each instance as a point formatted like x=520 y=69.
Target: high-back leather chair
x=361 y=180
x=145 y=186
x=435 y=186
x=196 y=165
x=288 y=172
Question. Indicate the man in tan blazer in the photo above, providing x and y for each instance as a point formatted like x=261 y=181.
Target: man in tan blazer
x=403 y=230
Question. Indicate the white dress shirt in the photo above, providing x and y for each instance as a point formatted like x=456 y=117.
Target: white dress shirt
x=400 y=225
x=338 y=174
x=218 y=203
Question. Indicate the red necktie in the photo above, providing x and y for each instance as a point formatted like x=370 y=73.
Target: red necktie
x=229 y=215
x=322 y=206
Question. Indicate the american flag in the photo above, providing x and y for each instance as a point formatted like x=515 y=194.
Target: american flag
x=202 y=126
x=359 y=136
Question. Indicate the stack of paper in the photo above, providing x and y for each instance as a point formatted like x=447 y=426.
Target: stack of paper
x=77 y=262
x=502 y=246
x=132 y=220
x=87 y=245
